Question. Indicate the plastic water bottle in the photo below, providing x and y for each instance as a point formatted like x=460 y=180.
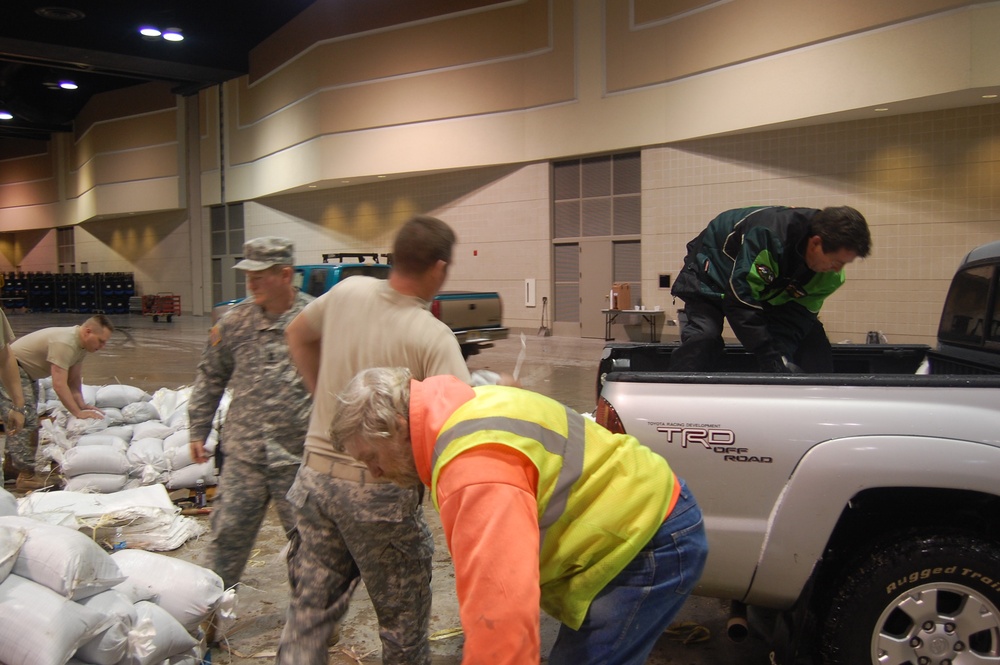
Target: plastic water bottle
x=119 y=541
x=199 y=494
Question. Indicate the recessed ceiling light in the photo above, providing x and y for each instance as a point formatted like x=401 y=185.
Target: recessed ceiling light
x=68 y=85
x=149 y=31
x=173 y=35
x=882 y=108
x=6 y=115
x=60 y=13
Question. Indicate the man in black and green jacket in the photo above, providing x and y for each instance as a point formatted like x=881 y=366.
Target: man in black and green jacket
x=767 y=270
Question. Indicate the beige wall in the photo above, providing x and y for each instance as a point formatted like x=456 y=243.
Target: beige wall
x=500 y=214
x=465 y=111
x=929 y=185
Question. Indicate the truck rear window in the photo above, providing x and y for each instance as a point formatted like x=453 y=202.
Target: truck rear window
x=969 y=316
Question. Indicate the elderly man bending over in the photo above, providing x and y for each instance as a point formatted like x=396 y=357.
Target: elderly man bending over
x=540 y=507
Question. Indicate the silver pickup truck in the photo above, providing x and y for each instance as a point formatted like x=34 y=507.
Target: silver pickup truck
x=857 y=513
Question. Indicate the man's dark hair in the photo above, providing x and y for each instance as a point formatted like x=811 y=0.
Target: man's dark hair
x=420 y=243
x=102 y=321
x=842 y=227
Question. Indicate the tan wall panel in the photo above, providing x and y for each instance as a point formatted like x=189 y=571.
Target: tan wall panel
x=448 y=42
x=123 y=167
x=35 y=167
x=540 y=79
x=661 y=50
x=127 y=133
x=329 y=19
x=28 y=193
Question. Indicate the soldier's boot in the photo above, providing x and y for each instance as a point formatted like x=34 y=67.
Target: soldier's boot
x=28 y=481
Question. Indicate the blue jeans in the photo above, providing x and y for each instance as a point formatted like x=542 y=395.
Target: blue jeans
x=628 y=616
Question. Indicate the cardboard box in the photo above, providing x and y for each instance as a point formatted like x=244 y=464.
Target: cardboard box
x=621 y=295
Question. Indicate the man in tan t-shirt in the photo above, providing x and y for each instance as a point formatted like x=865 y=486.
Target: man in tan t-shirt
x=59 y=353
x=10 y=381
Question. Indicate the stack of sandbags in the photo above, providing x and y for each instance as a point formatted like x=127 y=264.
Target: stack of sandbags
x=64 y=599
x=142 y=517
x=153 y=430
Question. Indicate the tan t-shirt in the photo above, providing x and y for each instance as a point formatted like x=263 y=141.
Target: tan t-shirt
x=6 y=334
x=37 y=351
x=366 y=323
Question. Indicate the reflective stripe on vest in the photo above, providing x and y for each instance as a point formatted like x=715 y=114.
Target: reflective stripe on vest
x=569 y=447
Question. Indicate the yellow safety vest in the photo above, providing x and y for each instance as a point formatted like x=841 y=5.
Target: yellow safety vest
x=601 y=496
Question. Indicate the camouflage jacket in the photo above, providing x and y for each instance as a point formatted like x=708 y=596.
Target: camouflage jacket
x=269 y=413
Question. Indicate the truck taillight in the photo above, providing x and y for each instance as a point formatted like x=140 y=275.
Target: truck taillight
x=436 y=308
x=607 y=417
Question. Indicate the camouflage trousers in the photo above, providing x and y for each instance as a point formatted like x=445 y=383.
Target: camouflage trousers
x=23 y=446
x=346 y=531
x=239 y=509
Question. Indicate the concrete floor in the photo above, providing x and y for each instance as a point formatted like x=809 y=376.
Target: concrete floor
x=156 y=355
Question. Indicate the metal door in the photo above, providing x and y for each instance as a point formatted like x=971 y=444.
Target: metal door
x=595 y=285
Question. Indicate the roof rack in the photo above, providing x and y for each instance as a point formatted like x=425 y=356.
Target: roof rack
x=360 y=257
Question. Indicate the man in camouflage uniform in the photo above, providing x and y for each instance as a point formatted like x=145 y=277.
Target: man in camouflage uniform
x=267 y=417
x=352 y=526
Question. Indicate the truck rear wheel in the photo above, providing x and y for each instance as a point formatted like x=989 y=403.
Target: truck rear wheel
x=917 y=599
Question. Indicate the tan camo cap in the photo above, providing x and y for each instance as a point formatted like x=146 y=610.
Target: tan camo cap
x=262 y=253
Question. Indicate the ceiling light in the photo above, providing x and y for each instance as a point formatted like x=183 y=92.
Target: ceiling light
x=881 y=109
x=989 y=96
x=6 y=115
x=149 y=31
x=68 y=85
x=173 y=35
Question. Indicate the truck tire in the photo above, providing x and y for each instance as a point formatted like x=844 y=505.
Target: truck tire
x=917 y=598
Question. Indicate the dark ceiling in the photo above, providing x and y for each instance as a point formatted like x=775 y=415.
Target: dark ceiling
x=96 y=44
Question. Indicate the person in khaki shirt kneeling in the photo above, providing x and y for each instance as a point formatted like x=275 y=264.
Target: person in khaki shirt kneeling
x=59 y=353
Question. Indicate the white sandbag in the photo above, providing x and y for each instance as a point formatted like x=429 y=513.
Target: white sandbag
x=124 y=506
x=38 y=626
x=189 y=592
x=118 y=396
x=11 y=539
x=168 y=402
x=105 y=483
x=89 y=393
x=179 y=439
x=109 y=646
x=139 y=412
x=148 y=450
x=8 y=502
x=62 y=559
x=151 y=428
x=178 y=419
x=188 y=476
x=76 y=427
x=113 y=416
x=102 y=439
x=195 y=656
x=123 y=432
x=147 y=461
x=178 y=457
x=95 y=459
x=156 y=636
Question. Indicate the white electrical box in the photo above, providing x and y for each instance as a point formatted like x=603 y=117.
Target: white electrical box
x=529 y=292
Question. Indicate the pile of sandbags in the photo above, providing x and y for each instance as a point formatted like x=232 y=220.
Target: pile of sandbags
x=142 y=517
x=64 y=599
x=142 y=440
